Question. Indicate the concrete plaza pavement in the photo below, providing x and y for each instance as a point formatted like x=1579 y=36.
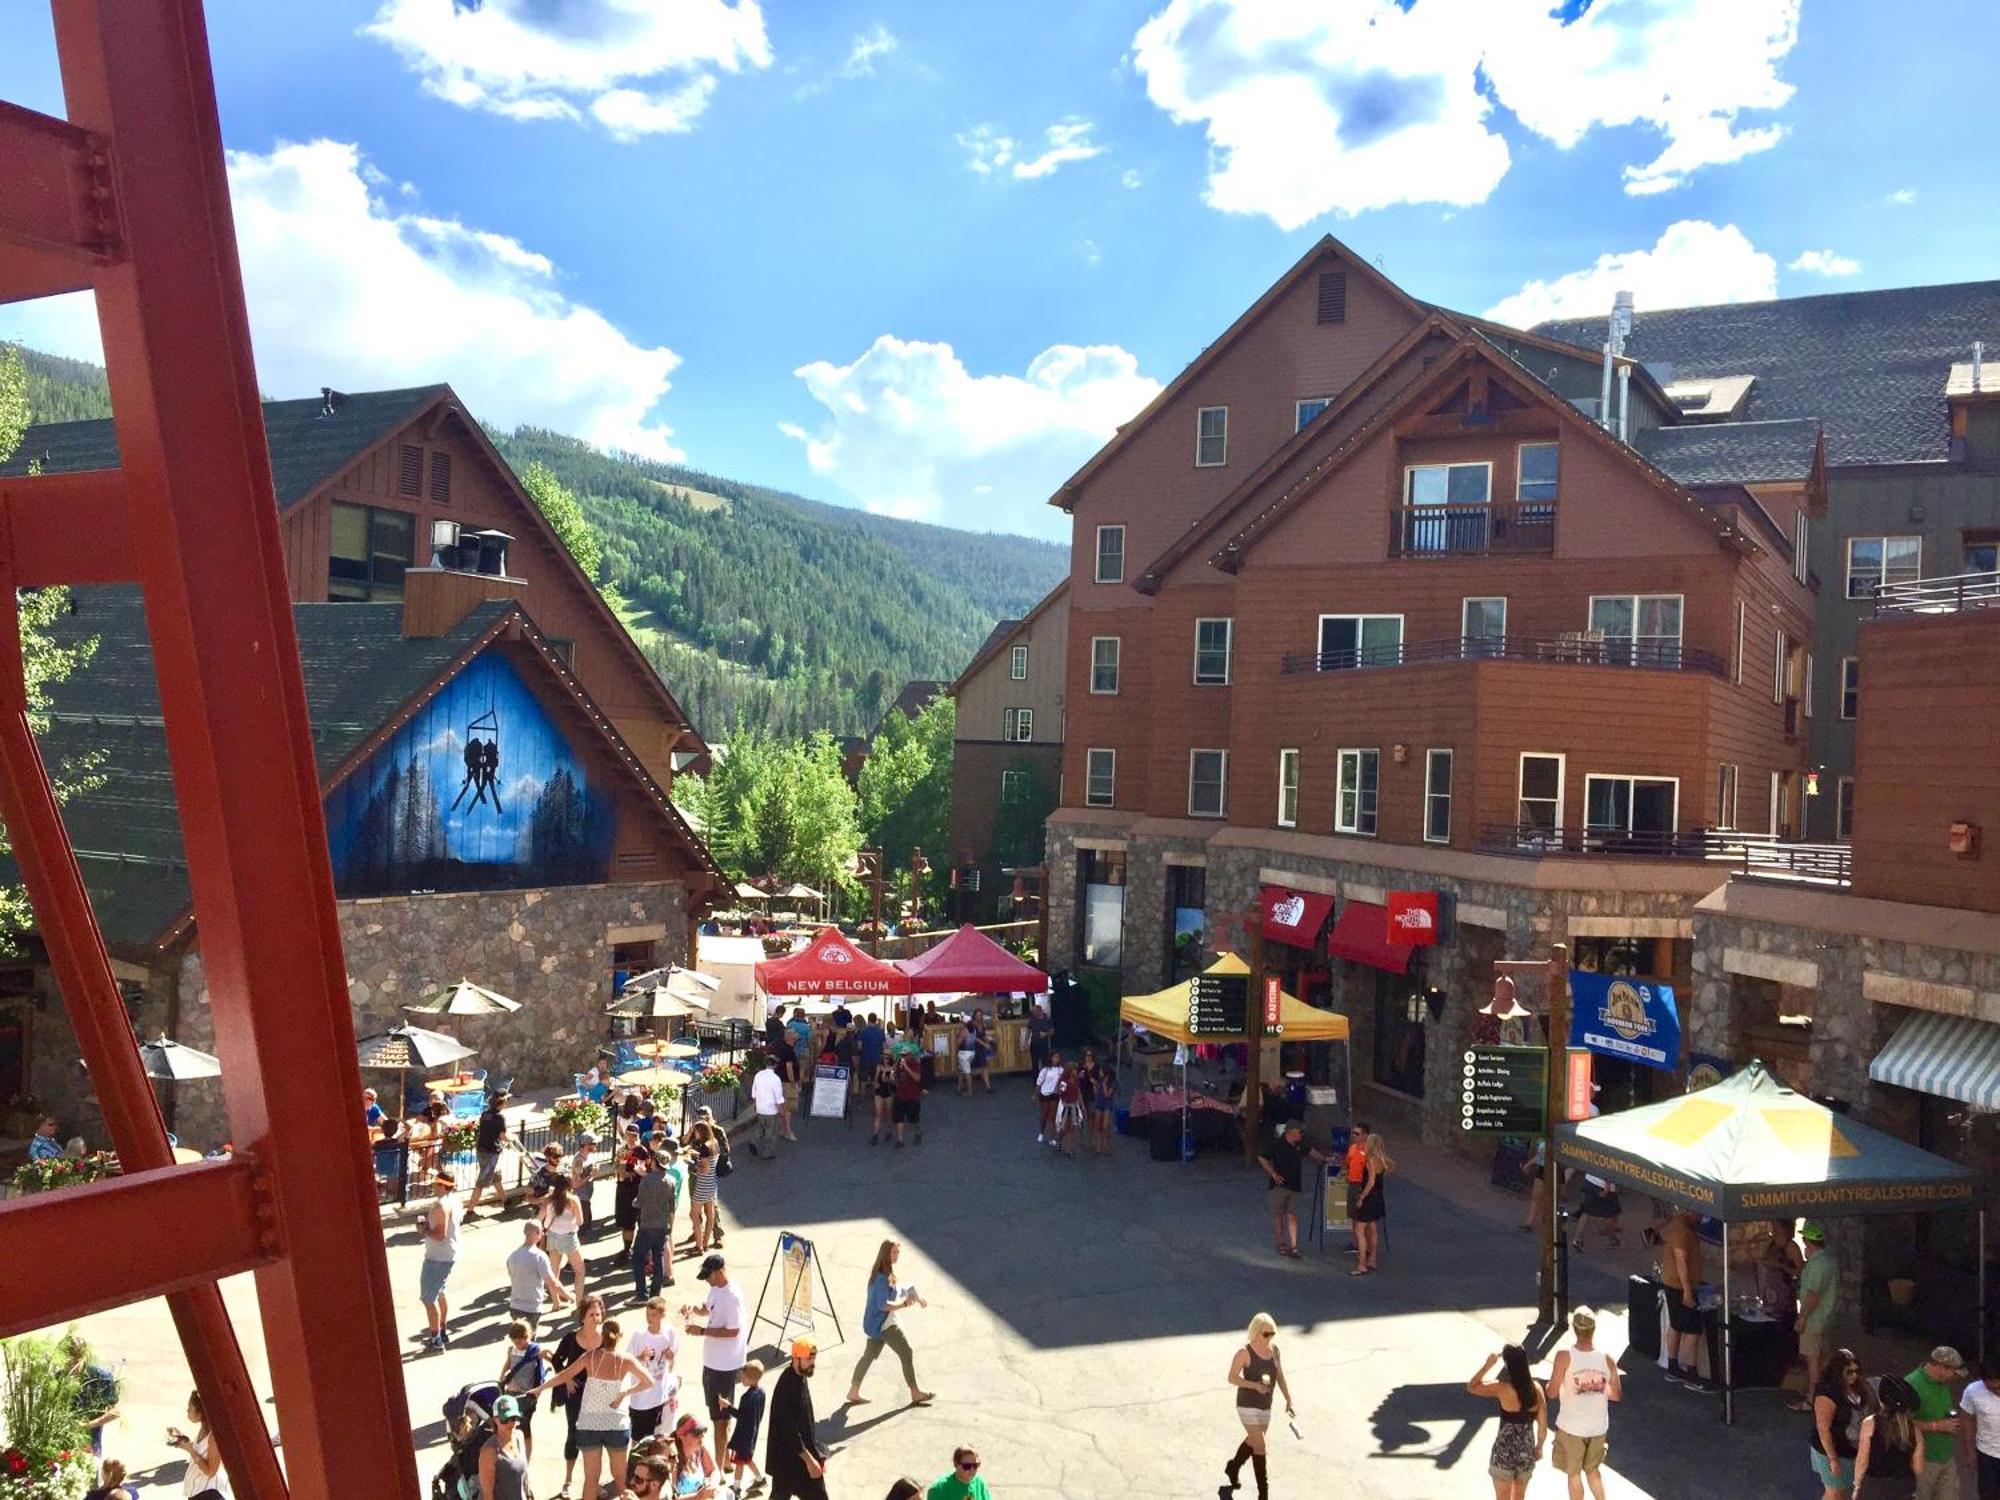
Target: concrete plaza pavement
x=1082 y=1317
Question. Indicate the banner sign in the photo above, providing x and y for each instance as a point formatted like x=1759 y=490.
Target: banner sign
x=1635 y=1019
x=829 y=1095
x=1576 y=1086
x=1503 y=1089
x=1413 y=918
x=1705 y=1070
x=795 y=1255
x=1273 y=1006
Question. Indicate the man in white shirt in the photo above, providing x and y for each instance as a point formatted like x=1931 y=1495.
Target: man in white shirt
x=767 y=1093
x=1979 y=1431
x=1048 y=1086
x=655 y=1347
x=1583 y=1383
x=725 y=1338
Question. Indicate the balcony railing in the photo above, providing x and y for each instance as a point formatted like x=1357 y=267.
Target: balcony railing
x=1939 y=596
x=1573 y=648
x=1450 y=530
x=1751 y=853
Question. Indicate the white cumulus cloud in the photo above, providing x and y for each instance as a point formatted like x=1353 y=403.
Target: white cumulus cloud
x=876 y=42
x=989 y=152
x=638 y=67
x=345 y=291
x=1903 y=197
x=1825 y=263
x=908 y=430
x=1311 y=109
x=1693 y=264
x=1068 y=140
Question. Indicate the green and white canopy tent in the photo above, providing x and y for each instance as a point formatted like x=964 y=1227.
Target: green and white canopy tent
x=1749 y=1148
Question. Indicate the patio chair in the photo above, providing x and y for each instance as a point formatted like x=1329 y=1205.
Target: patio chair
x=499 y=1085
x=467 y=1105
x=626 y=1059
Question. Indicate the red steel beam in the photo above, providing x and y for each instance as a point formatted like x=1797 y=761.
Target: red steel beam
x=204 y=528
x=68 y=528
x=211 y=1206
x=57 y=201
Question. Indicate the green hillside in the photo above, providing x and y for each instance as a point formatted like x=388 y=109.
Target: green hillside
x=792 y=613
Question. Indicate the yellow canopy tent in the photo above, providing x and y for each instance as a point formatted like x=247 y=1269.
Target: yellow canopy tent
x=1165 y=1012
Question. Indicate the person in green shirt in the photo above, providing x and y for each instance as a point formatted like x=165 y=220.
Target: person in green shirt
x=1819 y=1300
x=1937 y=1474
x=963 y=1482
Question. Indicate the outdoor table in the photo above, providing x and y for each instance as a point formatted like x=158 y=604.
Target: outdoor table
x=456 y=1085
x=1765 y=1348
x=666 y=1049
x=1168 y=1101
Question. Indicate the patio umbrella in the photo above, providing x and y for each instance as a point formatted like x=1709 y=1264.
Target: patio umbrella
x=673 y=974
x=745 y=891
x=167 y=1059
x=464 y=999
x=405 y=1047
x=657 y=1003
x=645 y=1078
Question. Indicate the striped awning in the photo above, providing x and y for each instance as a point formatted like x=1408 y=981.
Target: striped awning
x=1951 y=1057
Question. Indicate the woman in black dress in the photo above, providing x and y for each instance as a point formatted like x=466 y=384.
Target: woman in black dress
x=1370 y=1208
x=885 y=1097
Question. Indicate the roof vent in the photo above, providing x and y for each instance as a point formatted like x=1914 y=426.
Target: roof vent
x=484 y=552
x=1621 y=321
x=330 y=400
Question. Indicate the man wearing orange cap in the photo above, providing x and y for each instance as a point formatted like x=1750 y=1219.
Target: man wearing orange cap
x=793 y=1457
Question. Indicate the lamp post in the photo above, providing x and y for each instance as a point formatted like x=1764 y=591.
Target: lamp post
x=868 y=869
x=1253 y=1026
x=919 y=868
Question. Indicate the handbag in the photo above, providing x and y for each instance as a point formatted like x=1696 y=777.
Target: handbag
x=724 y=1164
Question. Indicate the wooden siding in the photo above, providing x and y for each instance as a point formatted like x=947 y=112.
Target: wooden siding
x=984 y=697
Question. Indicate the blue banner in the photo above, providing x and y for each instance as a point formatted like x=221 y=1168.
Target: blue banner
x=1630 y=1018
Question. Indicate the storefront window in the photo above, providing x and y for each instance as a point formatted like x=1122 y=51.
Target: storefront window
x=1399 y=1033
x=1187 y=920
x=1971 y=1138
x=1101 y=879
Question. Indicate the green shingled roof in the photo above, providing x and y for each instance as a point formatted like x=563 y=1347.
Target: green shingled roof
x=359 y=670
x=309 y=445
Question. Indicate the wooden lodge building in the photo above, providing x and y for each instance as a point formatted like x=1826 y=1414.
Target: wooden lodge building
x=497 y=756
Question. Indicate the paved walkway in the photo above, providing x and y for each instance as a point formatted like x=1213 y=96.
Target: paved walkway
x=1083 y=1313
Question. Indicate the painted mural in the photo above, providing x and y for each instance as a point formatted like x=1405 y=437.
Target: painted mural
x=479 y=791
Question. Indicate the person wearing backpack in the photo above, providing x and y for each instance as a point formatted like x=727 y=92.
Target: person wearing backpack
x=523 y=1367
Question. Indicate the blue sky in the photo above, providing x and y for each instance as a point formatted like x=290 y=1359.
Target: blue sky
x=924 y=257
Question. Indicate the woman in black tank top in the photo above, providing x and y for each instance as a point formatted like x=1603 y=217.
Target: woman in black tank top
x=1256 y=1373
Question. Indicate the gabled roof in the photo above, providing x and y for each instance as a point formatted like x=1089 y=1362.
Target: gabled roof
x=310 y=446
x=1474 y=348
x=1733 y=452
x=1326 y=246
x=1871 y=366
x=1003 y=633
x=362 y=678
x=916 y=695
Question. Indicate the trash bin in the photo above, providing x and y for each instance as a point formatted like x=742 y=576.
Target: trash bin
x=1121 y=1120
x=1642 y=1317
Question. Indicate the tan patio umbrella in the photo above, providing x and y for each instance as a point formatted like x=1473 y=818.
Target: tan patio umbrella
x=464 y=999
x=402 y=1048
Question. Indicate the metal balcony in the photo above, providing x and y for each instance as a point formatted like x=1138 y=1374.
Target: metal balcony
x=1456 y=530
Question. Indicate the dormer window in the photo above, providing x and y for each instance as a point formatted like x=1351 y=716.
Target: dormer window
x=1714 y=398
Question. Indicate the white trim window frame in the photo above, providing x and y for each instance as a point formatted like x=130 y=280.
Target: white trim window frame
x=1437 y=799
x=1117 y=573
x=1539 y=493
x=1411 y=471
x=1641 y=646
x=1850 y=686
x=1780 y=661
x=1092 y=775
x=1871 y=574
x=1445 y=518
x=1013 y=787
x=1017 y=664
x=1288 y=788
x=1211 y=438
x=1301 y=418
x=1104 y=666
x=1346 y=658
x=1213 y=675
x=1742 y=637
x=1777 y=796
x=1357 y=791
x=1481 y=643
x=1017 y=725
x=1219 y=781
x=1632 y=782
x=1727 y=776
x=1522 y=800
x=1801 y=537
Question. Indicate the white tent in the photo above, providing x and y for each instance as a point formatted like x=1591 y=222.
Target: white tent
x=732 y=961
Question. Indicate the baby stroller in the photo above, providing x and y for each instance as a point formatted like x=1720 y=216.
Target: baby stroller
x=468 y=1425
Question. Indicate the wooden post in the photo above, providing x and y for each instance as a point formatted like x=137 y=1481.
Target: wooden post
x=1041 y=875
x=1253 y=1026
x=1552 y=1115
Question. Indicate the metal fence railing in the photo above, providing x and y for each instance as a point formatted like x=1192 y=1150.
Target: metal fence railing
x=1751 y=853
x=1939 y=596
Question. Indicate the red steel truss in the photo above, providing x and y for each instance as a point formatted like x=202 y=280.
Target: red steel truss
x=128 y=198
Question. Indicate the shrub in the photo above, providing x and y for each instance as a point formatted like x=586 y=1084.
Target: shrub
x=47 y=1456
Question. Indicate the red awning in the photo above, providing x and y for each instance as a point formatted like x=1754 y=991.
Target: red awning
x=1293 y=917
x=1361 y=933
x=830 y=965
x=971 y=963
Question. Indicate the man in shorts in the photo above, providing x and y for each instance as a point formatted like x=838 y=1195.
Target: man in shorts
x=1583 y=1383
x=909 y=1106
x=1284 y=1163
x=489 y=1141
x=1819 y=1303
x=1680 y=1271
x=724 y=1331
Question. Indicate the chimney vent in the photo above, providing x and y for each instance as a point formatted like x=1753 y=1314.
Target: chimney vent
x=330 y=400
x=1978 y=361
x=484 y=552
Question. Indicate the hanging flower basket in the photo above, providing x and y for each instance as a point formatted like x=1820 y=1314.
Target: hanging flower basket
x=572 y=1117
x=61 y=1172
x=719 y=1078
x=664 y=1096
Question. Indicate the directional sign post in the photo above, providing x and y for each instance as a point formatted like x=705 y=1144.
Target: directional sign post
x=1219 y=1005
x=1503 y=1090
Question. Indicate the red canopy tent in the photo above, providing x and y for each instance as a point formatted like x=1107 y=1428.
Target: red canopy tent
x=971 y=963
x=830 y=965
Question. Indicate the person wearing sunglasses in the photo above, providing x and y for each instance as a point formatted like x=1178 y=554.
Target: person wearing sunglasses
x=503 y=1463
x=1844 y=1412
x=963 y=1482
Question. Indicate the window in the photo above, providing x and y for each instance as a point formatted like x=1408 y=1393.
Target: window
x=1187 y=921
x=1801 y=535
x=1850 y=686
x=1982 y=557
x=1843 y=808
x=1288 y=788
x=1013 y=788
x=1777 y=805
x=1448 y=484
x=441 y=478
x=1360 y=641
x=1101 y=878
x=1742 y=626
x=1017 y=667
x=1399 y=1033
x=1104 y=664
x=410 y=470
x=1100 y=777
x=1482 y=627
x=1805 y=688
x=1208 y=775
x=1630 y=805
x=1017 y=724
x=1640 y=630
x=369 y=552
x=1445 y=507
x=1725 y=795
x=1211 y=652
x=1541 y=793
x=1211 y=437
x=1437 y=796
x=1780 y=659
x=1306 y=408
x=1535 y=480
x=1358 y=786
x=1875 y=560
x=1333 y=296
x=1111 y=554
